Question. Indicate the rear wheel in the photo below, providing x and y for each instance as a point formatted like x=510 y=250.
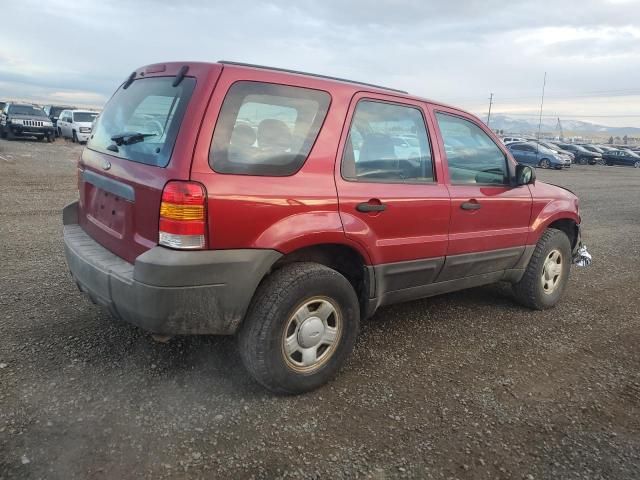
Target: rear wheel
x=546 y=276
x=545 y=163
x=300 y=328
x=637 y=164
x=583 y=161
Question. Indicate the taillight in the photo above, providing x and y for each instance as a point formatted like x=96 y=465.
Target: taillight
x=183 y=221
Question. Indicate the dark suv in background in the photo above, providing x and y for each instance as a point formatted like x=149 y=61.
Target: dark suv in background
x=582 y=155
x=25 y=120
x=53 y=112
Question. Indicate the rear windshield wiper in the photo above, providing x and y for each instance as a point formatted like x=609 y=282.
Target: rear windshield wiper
x=129 y=138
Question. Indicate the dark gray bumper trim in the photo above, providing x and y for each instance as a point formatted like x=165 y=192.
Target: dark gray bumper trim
x=182 y=293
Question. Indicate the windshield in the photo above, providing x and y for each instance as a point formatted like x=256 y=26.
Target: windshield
x=55 y=111
x=26 y=110
x=543 y=149
x=152 y=110
x=86 y=117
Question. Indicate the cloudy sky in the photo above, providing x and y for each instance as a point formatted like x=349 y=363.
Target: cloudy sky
x=458 y=51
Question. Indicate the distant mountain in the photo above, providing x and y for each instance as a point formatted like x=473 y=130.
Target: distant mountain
x=530 y=125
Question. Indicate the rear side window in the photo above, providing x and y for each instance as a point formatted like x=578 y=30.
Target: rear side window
x=266 y=129
x=471 y=154
x=141 y=123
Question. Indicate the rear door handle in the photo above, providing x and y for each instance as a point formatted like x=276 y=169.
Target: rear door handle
x=366 y=207
x=470 y=206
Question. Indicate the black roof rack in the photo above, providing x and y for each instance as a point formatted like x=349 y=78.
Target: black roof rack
x=286 y=70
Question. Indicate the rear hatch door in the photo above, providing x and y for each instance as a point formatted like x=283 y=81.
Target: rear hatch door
x=143 y=139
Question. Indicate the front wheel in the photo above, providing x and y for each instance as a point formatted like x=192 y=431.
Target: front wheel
x=74 y=137
x=547 y=274
x=545 y=163
x=583 y=161
x=637 y=164
x=300 y=328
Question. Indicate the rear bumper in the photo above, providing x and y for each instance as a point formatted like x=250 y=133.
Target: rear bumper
x=167 y=291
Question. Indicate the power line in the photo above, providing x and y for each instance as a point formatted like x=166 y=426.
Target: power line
x=544 y=83
x=569 y=115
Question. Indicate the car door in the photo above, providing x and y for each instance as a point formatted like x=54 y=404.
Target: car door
x=62 y=123
x=393 y=203
x=489 y=214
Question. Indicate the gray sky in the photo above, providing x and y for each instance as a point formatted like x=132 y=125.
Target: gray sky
x=457 y=51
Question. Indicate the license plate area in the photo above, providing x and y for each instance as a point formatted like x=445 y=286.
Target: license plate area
x=107 y=211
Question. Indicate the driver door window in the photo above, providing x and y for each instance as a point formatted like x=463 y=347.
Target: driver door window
x=472 y=156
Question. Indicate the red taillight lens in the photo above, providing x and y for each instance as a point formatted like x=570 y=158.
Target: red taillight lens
x=183 y=221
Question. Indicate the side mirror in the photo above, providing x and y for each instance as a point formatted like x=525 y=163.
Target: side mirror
x=525 y=175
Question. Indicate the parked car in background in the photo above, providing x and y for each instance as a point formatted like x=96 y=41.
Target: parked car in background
x=556 y=148
x=607 y=148
x=506 y=140
x=2 y=105
x=582 y=155
x=530 y=153
x=323 y=241
x=20 y=120
x=53 y=112
x=592 y=148
x=622 y=157
x=76 y=124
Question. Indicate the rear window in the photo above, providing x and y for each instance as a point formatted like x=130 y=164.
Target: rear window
x=266 y=129
x=141 y=123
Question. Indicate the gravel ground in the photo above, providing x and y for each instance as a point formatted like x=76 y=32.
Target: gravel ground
x=466 y=385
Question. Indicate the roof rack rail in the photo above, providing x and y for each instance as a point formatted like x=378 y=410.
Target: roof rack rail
x=286 y=70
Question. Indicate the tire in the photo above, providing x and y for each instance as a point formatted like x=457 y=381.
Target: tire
x=637 y=164
x=74 y=137
x=59 y=132
x=271 y=324
x=583 y=161
x=534 y=290
x=3 y=133
x=545 y=163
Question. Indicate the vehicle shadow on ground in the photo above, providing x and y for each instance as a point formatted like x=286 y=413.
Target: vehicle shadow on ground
x=113 y=345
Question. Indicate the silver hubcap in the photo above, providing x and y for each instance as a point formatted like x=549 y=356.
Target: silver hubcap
x=637 y=164
x=312 y=334
x=551 y=272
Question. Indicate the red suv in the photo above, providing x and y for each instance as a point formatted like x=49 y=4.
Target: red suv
x=285 y=207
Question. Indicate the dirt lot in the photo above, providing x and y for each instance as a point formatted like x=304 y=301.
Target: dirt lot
x=467 y=385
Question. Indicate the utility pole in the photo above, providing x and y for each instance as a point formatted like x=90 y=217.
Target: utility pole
x=490 y=103
x=544 y=83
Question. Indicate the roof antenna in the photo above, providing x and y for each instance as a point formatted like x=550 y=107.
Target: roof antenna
x=129 y=81
x=180 y=76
